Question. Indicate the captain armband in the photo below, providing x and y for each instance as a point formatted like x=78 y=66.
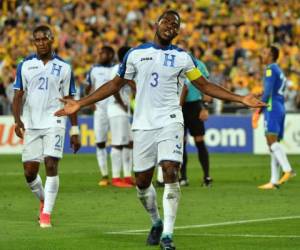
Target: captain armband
x=74 y=130
x=193 y=74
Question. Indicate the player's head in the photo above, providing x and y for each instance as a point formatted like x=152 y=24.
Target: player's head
x=270 y=54
x=42 y=39
x=167 y=27
x=122 y=52
x=106 y=55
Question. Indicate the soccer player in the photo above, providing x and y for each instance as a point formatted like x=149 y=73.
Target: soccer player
x=274 y=115
x=158 y=69
x=42 y=79
x=118 y=111
x=97 y=76
x=195 y=112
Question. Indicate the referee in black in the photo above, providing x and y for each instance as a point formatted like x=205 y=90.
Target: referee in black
x=195 y=113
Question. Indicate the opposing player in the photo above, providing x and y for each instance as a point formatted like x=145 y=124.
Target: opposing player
x=118 y=111
x=158 y=68
x=97 y=76
x=41 y=80
x=194 y=108
x=274 y=115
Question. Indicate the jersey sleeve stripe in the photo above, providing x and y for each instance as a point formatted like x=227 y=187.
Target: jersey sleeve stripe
x=72 y=89
x=122 y=67
x=18 y=85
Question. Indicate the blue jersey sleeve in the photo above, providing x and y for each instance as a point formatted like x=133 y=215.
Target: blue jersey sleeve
x=269 y=84
x=18 y=85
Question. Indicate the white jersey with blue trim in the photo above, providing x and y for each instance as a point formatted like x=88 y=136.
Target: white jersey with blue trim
x=96 y=77
x=159 y=75
x=44 y=85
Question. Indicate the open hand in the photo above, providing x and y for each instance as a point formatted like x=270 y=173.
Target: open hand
x=19 y=129
x=252 y=101
x=71 y=107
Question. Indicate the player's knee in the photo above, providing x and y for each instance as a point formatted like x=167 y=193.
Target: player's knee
x=101 y=145
x=30 y=174
x=119 y=147
x=199 y=138
x=142 y=181
x=170 y=171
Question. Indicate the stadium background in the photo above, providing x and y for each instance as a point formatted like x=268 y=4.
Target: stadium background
x=227 y=35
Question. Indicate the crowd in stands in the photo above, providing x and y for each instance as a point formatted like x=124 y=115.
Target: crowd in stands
x=228 y=36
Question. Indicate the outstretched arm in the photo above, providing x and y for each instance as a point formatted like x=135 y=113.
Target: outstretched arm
x=219 y=92
x=106 y=90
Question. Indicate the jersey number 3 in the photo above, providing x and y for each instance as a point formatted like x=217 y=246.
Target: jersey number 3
x=154 y=80
x=43 y=83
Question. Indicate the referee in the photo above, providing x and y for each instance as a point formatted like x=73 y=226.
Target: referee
x=194 y=107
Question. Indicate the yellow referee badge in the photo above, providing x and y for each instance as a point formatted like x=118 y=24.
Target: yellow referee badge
x=268 y=73
x=193 y=74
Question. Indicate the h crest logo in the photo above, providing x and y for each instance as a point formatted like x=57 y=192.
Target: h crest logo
x=169 y=60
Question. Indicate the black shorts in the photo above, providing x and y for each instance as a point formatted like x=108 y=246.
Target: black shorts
x=192 y=122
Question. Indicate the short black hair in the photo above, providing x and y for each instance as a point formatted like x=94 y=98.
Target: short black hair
x=44 y=29
x=122 y=52
x=109 y=50
x=274 y=52
x=168 y=12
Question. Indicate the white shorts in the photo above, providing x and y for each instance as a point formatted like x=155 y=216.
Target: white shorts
x=101 y=125
x=120 y=130
x=39 y=143
x=150 y=147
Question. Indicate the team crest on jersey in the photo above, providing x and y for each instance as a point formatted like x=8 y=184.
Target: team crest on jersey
x=169 y=60
x=56 y=69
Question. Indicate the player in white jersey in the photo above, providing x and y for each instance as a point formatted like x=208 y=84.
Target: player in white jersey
x=118 y=111
x=42 y=79
x=158 y=69
x=97 y=76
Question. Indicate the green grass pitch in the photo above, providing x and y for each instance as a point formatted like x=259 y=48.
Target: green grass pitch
x=233 y=214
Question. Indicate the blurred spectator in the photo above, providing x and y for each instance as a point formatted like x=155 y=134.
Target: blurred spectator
x=226 y=35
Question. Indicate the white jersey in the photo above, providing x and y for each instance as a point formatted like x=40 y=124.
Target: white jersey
x=114 y=108
x=44 y=85
x=159 y=75
x=97 y=76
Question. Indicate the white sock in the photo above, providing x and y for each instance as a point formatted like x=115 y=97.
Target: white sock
x=51 y=189
x=102 y=160
x=281 y=157
x=36 y=187
x=160 y=177
x=127 y=161
x=170 y=203
x=275 y=170
x=116 y=162
x=148 y=199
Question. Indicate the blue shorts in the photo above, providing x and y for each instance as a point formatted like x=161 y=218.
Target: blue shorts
x=274 y=123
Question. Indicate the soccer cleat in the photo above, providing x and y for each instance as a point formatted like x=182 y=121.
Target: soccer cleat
x=129 y=180
x=166 y=243
x=207 y=182
x=184 y=182
x=268 y=186
x=118 y=182
x=104 y=182
x=155 y=234
x=45 y=220
x=286 y=176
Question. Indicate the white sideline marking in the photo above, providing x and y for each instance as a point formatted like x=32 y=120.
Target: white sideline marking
x=213 y=224
x=226 y=235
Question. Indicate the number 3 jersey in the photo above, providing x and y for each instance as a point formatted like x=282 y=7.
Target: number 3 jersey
x=158 y=74
x=44 y=85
